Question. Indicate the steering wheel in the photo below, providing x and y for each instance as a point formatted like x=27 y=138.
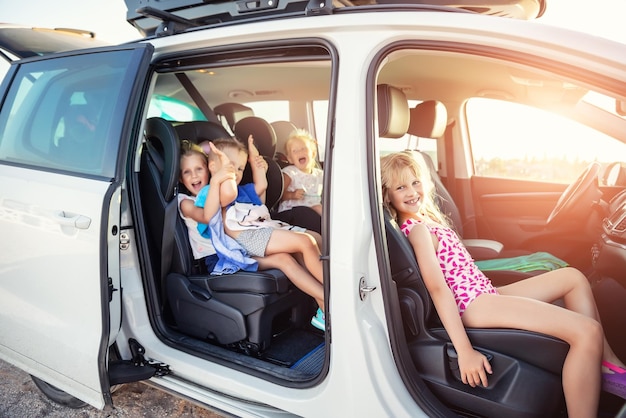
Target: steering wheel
x=571 y=202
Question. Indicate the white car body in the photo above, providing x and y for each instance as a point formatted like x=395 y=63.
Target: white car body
x=62 y=233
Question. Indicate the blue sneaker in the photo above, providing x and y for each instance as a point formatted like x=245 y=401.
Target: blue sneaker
x=319 y=321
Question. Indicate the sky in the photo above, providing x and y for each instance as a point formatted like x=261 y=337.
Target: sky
x=107 y=18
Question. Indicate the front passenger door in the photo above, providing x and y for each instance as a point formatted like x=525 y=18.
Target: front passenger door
x=65 y=123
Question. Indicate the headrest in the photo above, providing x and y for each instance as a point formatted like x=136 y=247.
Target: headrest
x=161 y=139
x=263 y=133
x=283 y=129
x=428 y=119
x=201 y=130
x=233 y=112
x=393 y=111
x=80 y=122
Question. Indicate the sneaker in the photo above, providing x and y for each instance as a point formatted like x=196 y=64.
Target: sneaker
x=319 y=321
x=615 y=382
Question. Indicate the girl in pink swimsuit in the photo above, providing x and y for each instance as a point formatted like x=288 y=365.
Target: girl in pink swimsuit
x=462 y=276
x=464 y=297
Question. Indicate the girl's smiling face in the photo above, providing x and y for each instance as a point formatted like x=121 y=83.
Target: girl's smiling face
x=406 y=193
x=300 y=154
x=194 y=172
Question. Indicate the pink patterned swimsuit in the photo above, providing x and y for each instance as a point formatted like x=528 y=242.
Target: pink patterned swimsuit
x=463 y=277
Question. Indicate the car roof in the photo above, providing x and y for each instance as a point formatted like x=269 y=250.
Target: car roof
x=22 y=42
x=158 y=18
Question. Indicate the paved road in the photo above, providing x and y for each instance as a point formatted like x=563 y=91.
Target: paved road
x=20 y=398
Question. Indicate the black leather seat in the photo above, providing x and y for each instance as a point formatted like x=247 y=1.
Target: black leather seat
x=526 y=379
x=233 y=112
x=283 y=129
x=265 y=142
x=200 y=131
x=234 y=310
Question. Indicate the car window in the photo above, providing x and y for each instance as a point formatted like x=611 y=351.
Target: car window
x=173 y=109
x=511 y=140
x=64 y=113
x=4 y=66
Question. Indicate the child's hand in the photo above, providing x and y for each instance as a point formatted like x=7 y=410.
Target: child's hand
x=227 y=168
x=298 y=194
x=474 y=367
x=253 y=152
x=255 y=159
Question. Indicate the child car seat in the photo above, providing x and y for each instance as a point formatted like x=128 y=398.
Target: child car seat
x=233 y=310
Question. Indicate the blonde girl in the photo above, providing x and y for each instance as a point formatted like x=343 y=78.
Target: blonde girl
x=303 y=180
x=464 y=297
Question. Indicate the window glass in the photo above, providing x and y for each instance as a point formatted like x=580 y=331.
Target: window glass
x=511 y=140
x=4 y=66
x=172 y=109
x=65 y=113
x=271 y=110
x=320 y=116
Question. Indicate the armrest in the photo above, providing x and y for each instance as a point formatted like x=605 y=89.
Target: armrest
x=483 y=249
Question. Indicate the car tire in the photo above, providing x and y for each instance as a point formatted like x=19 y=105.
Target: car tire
x=57 y=395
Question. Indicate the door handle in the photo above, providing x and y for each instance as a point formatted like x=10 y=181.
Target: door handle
x=72 y=219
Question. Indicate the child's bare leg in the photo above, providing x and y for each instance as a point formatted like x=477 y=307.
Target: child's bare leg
x=283 y=241
x=581 y=370
x=569 y=284
x=295 y=273
x=318 y=237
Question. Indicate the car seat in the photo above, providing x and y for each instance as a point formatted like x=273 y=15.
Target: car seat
x=283 y=129
x=79 y=145
x=233 y=113
x=265 y=142
x=526 y=379
x=237 y=310
x=200 y=131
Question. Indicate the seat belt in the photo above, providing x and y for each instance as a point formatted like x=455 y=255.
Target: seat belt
x=197 y=97
x=167 y=239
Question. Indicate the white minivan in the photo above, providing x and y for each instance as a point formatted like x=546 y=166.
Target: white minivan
x=98 y=284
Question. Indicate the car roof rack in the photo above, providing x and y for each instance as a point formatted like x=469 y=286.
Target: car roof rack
x=188 y=14
x=160 y=17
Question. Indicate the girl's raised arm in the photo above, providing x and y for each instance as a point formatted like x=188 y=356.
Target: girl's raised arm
x=258 y=165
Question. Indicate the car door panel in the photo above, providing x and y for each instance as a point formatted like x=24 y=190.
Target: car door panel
x=48 y=312
x=514 y=212
x=60 y=213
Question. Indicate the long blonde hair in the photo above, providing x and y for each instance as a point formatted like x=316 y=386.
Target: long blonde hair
x=393 y=171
